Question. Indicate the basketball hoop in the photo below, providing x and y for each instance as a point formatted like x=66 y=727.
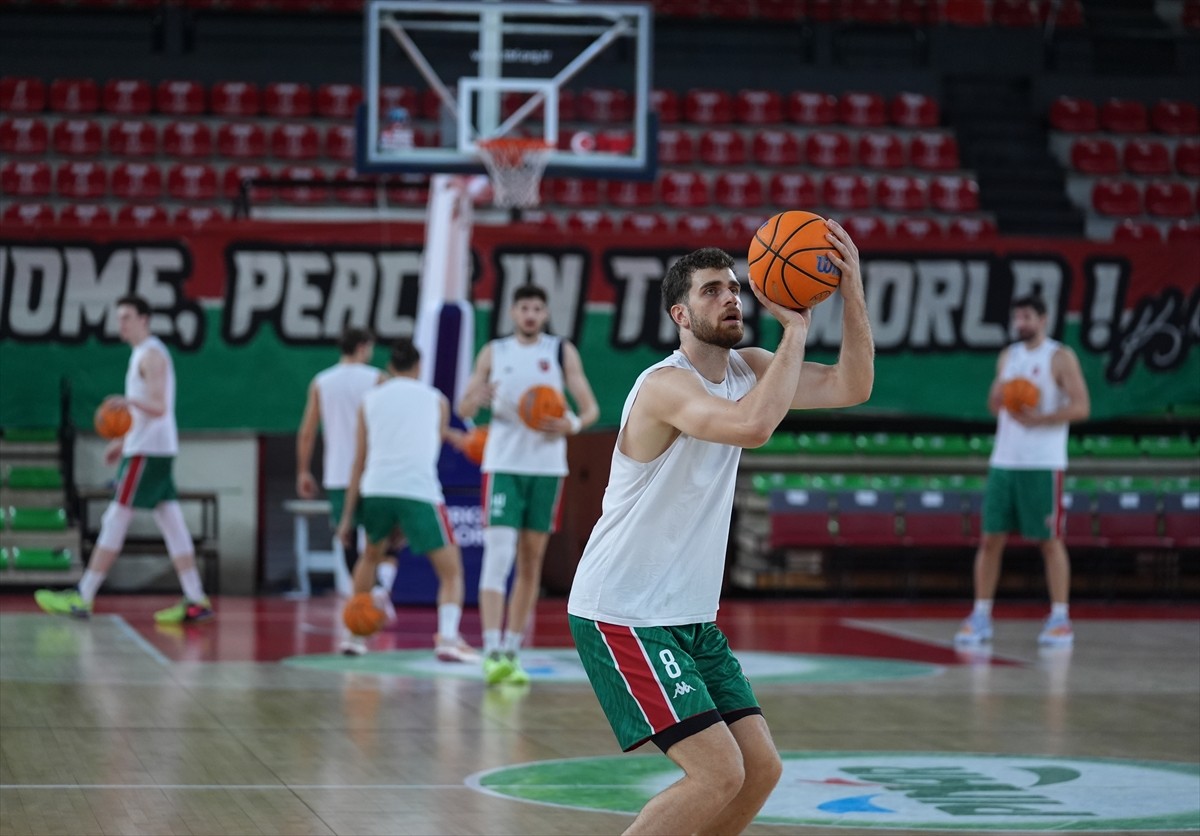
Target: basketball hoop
x=515 y=165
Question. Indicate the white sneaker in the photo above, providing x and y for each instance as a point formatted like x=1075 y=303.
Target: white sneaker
x=383 y=601
x=458 y=651
x=353 y=646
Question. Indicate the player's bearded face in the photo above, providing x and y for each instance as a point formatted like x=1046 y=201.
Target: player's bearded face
x=1027 y=325
x=529 y=317
x=722 y=326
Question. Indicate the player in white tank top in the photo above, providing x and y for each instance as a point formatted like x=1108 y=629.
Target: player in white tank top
x=1024 y=487
x=656 y=557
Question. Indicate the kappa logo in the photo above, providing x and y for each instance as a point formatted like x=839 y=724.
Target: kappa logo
x=682 y=688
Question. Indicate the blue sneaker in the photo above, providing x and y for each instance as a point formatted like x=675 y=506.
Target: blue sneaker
x=975 y=630
x=1057 y=632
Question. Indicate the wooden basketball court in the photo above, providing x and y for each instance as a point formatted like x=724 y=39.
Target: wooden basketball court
x=250 y=725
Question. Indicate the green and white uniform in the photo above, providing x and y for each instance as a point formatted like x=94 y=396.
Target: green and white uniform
x=149 y=448
x=340 y=391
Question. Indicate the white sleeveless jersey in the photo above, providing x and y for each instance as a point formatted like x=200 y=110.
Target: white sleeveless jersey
x=1032 y=448
x=656 y=557
x=340 y=391
x=404 y=440
x=512 y=447
x=151 y=436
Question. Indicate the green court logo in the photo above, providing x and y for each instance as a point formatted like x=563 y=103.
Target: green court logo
x=899 y=790
x=562 y=665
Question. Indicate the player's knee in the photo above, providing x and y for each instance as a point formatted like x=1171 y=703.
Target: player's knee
x=499 y=554
x=168 y=516
x=764 y=771
x=113 y=526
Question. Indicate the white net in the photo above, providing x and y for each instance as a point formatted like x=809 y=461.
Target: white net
x=515 y=165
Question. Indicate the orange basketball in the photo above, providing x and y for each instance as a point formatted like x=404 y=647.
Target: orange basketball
x=112 y=421
x=474 y=443
x=361 y=616
x=1019 y=394
x=541 y=402
x=789 y=260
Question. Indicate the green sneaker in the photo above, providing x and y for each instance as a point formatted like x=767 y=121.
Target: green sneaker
x=496 y=668
x=63 y=602
x=185 y=612
x=518 y=676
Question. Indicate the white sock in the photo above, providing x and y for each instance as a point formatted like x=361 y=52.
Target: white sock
x=448 y=618
x=193 y=590
x=1058 y=610
x=385 y=573
x=89 y=585
x=983 y=607
x=491 y=640
x=512 y=641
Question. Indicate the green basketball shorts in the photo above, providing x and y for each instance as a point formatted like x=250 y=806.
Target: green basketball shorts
x=665 y=683
x=518 y=500
x=145 y=481
x=425 y=524
x=1028 y=502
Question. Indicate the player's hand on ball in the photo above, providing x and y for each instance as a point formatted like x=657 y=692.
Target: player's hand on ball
x=844 y=254
x=787 y=317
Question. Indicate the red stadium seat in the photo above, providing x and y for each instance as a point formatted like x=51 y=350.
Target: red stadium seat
x=645 y=223
x=295 y=141
x=1124 y=116
x=827 y=149
x=915 y=12
x=785 y=10
x=127 y=96
x=699 y=224
x=77 y=137
x=1180 y=231
x=191 y=181
x=1187 y=157
x=970 y=229
x=775 y=147
x=1016 y=13
x=1135 y=231
x=81 y=180
x=954 y=194
x=590 y=220
x=705 y=106
x=429 y=105
x=875 y=12
x=867 y=518
x=722 y=147
x=791 y=188
x=235 y=175
x=392 y=96
x=1181 y=519
x=28 y=214
x=85 y=215
x=26 y=178
x=865 y=227
x=136 y=181
x=935 y=518
x=287 y=99
x=197 y=216
x=917 y=229
x=180 y=98
x=604 y=105
x=631 y=193
x=241 y=140
x=1095 y=156
x=675 y=147
x=899 y=193
x=338 y=101
x=1171 y=116
x=800 y=518
x=683 y=189
x=1116 y=197
x=142 y=214
x=575 y=191
x=1074 y=115
x=236 y=98
x=758 y=107
x=1146 y=156
x=74 y=95
x=23 y=136
x=133 y=138
x=964 y=12
x=862 y=110
x=846 y=192
x=308 y=189
x=1129 y=519
x=1168 y=199
x=666 y=104
x=618 y=141
x=880 y=150
x=914 y=110
x=353 y=195
x=22 y=94
x=189 y=140
x=409 y=190
x=933 y=152
x=340 y=142
x=536 y=218
x=738 y=190
x=745 y=224
x=809 y=108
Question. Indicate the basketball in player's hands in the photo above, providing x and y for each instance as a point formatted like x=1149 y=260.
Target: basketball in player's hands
x=112 y=421
x=1019 y=394
x=539 y=403
x=789 y=260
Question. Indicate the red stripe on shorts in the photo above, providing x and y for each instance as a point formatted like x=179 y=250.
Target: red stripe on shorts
x=133 y=475
x=486 y=498
x=556 y=514
x=640 y=677
x=1058 y=518
x=447 y=526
